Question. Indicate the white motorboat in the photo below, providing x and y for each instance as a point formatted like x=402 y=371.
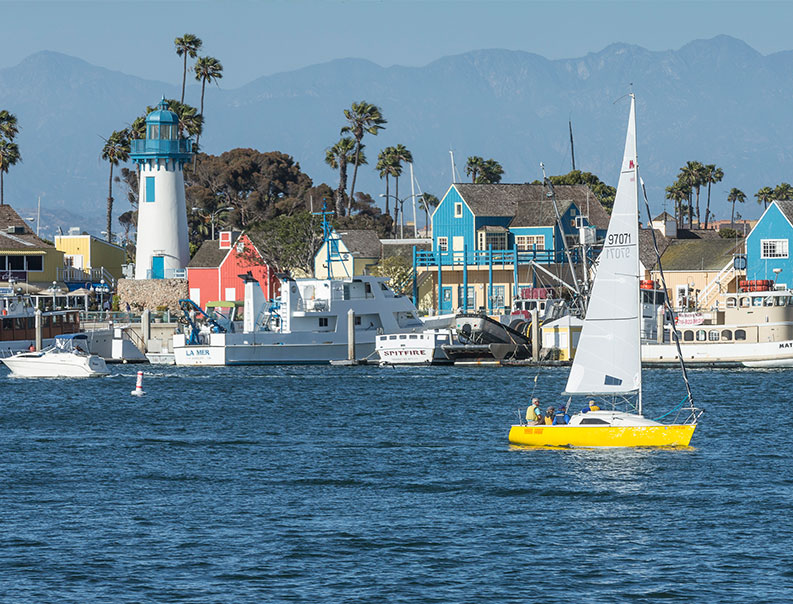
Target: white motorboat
x=310 y=323
x=67 y=358
x=424 y=348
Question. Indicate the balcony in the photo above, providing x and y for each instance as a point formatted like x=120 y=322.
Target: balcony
x=170 y=273
x=494 y=257
x=145 y=146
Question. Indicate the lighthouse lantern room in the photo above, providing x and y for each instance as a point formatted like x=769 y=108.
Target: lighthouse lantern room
x=162 y=245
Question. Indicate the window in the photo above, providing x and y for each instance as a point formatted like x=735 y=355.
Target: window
x=3 y=262
x=713 y=335
x=443 y=244
x=527 y=243
x=726 y=335
x=594 y=421
x=471 y=296
x=458 y=210
x=323 y=321
x=773 y=248
x=150 y=189
x=154 y=131
x=357 y=320
x=701 y=335
x=744 y=302
x=688 y=336
x=731 y=303
x=495 y=241
x=740 y=334
x=16 y=263
x=35 y=263
x=496 y=294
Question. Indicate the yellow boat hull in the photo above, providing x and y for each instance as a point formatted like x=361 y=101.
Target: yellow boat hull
x=602 y=436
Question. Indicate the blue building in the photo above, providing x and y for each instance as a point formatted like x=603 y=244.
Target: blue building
x=485 y=237
x=768 y=245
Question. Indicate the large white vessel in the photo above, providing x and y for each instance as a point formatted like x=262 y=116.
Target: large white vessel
x=747 y=328
x=308 y=324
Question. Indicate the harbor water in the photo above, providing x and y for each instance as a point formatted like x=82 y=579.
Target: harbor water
x=367 y=484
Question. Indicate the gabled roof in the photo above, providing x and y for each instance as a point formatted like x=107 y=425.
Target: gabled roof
x=506 y=199
x=364 y=243
x=647 y=254
x=209 y=255
x=699 y=254
x=22 y=241
x=786 y=207
x=538 y=213
x=664 y=216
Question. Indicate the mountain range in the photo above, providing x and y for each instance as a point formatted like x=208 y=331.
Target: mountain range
x=716 y=101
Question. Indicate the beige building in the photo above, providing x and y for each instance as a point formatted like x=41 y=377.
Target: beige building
x=350 y=253
x=24 y=258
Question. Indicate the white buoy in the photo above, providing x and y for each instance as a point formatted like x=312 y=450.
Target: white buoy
x=138 y=386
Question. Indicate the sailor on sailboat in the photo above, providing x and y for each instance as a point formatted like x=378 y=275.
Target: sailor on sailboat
x=607 y=363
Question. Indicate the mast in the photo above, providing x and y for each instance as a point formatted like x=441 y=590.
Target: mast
x=549 y=184
x=638 y=264
x=572 y=147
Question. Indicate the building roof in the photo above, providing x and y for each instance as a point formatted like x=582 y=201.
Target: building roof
x=699 y=254
x=538 y=212
x=364 y=242
x=393 y=247
x=647 y=254
x=21 y=241
x=505 y=199
x=209 y=255
x=664 y=216
x=786 y=207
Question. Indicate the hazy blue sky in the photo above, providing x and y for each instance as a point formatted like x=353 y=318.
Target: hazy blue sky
x=260 y=38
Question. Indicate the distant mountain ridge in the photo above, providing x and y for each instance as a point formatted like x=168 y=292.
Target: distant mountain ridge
x=717 y=101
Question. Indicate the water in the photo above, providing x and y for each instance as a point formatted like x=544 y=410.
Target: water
x=321 y=484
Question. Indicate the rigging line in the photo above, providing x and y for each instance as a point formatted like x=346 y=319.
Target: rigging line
x=678 y=408
x=667 y=304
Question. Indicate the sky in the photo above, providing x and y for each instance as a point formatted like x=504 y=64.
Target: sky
x=253 y=39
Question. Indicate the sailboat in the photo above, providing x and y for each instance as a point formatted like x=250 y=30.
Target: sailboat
x=607 y=364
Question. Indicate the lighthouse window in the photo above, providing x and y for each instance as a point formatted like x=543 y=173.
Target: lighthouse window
x=154 y=131
x=149 y=188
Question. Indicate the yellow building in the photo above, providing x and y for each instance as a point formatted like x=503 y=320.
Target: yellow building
x=350 y=253
x=24 y=258
x=88 y=259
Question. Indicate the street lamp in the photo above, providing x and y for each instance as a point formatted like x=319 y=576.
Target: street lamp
x=212 y=216
x=401 y=202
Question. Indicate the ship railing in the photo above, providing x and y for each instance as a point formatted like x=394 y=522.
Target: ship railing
x=711 y=291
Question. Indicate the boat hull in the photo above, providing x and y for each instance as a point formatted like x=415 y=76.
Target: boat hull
x=602 y=436
x=56 y=366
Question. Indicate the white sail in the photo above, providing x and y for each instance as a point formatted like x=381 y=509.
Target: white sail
x=608 y=357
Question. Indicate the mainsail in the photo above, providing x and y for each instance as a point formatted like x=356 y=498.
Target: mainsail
x=608 y=357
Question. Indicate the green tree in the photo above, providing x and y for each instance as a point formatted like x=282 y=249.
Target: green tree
x=678 y=192
x=765 y=196
x=693 y=176
x=190 y=122
x=338 y=157
x=783 y=192
x=9 y=128
x=9 y=156
x=289 y=242
x=605 y=193
x=428 y=202
x=491 y=172
x=385 y=168
x=474 y=167
x=400 y=154
x=713 y=175
x=115 y=150
x=207 y=69
x=362 y=118
x=735 y=195
x=187 y=46
x=399 y=272
x=729 y=234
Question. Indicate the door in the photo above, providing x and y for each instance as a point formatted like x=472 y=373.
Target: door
x=458 y=243
x=231 y=294
x=195 y=295
x=158 y=267
x=446 y=300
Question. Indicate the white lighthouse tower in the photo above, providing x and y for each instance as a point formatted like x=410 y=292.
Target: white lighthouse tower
x=162 y=246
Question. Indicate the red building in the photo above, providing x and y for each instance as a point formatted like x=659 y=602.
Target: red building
x=214 y=272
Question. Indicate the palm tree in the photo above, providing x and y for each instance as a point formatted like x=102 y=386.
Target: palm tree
x=783 y=192
x=678 y=192
x=116 y=150
x=426 y=202
x=362 y=118
x=9 y=156
x=491 y=172
x=384 y=167
x=207 y=69
x=712 y=176
x=8 y=126
x=692 y=174
x=337 y=157
x=474 y=167
x=735 y=195
x=188 y=46
x=400 y=154
x=765 y=196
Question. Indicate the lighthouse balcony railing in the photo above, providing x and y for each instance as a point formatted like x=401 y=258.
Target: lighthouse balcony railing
x=161 y=146
x=485 y=258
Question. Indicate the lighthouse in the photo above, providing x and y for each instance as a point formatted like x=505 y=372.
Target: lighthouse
x=162 y=245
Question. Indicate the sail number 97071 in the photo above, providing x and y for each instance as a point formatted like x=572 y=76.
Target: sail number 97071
x=619 y=239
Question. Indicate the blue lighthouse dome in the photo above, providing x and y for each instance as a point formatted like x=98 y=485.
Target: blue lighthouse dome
x=162 y=115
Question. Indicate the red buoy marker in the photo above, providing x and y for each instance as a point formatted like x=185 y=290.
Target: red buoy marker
x=138 y=386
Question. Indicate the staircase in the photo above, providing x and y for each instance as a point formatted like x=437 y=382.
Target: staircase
x=707 y=297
